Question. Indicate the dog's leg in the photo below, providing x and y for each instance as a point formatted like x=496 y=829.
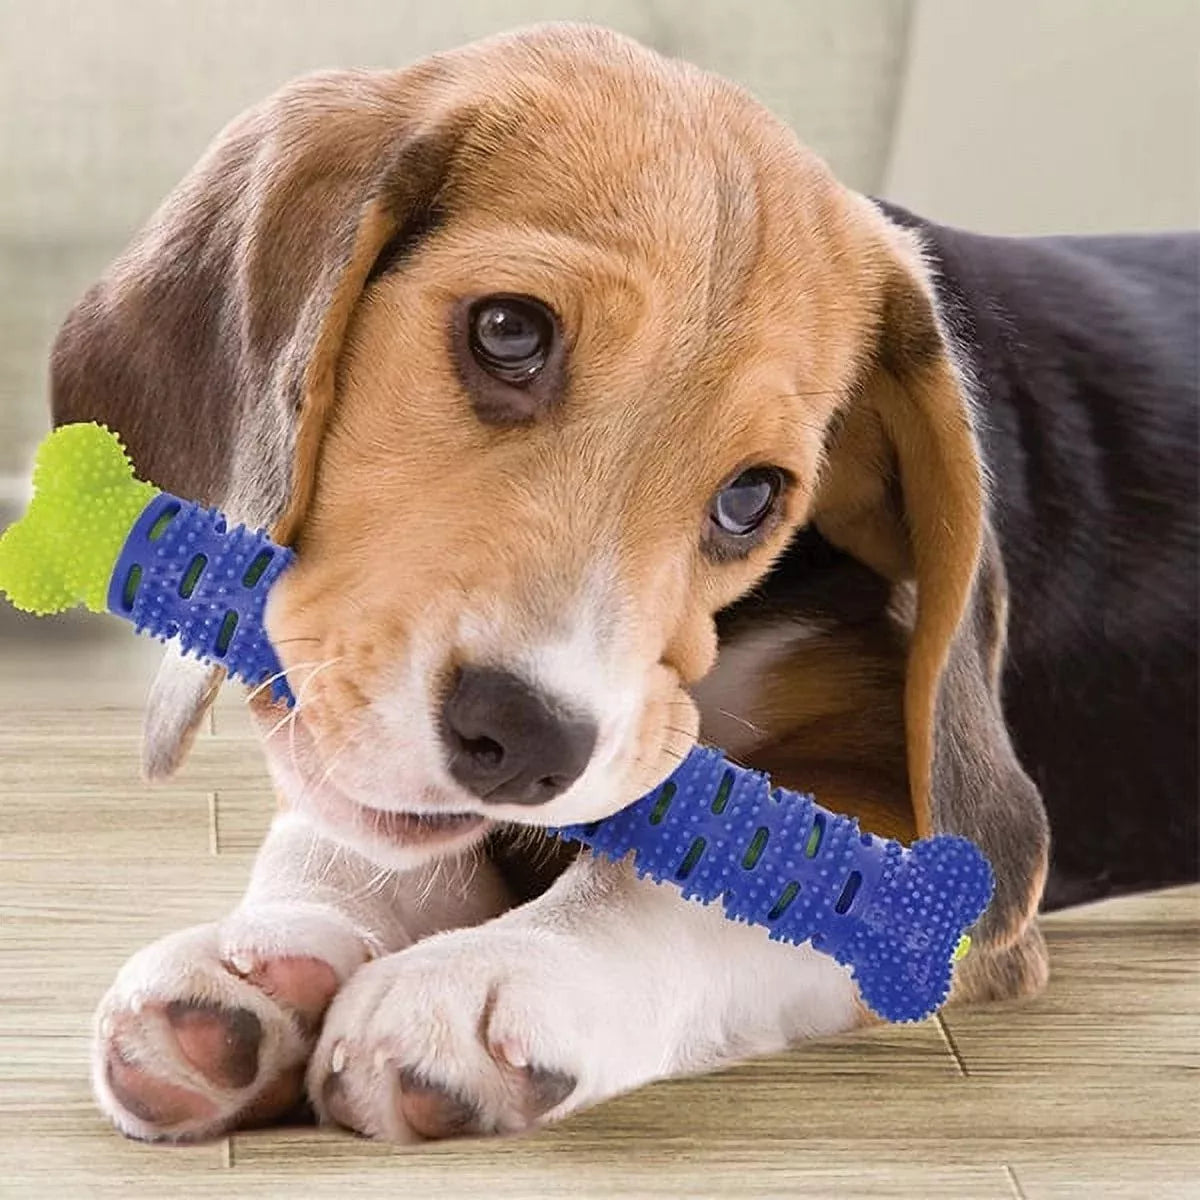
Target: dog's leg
x=603 y=983
x=1014 y=972
x=210 y=1028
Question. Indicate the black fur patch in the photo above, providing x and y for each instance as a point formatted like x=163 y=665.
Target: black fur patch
x=1085 y=354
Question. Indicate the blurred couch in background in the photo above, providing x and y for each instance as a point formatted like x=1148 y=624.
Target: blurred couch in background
x=1018 y=116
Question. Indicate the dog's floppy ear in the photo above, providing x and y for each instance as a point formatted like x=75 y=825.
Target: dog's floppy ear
x=211 y=344
x=904 y=490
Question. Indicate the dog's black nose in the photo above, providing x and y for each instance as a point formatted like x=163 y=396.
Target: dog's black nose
x=509 y=743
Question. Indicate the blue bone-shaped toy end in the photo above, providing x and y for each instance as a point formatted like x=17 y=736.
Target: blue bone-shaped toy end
x=894 y=916
x=903 y=946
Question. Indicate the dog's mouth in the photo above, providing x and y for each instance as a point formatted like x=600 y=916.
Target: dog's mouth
x=396 y=827
x=343 y=816
x=409 y=828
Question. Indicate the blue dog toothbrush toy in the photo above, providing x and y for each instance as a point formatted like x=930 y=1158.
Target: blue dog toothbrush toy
x=896 y=916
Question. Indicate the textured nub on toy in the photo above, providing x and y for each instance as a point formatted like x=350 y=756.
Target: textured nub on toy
x=85 y=498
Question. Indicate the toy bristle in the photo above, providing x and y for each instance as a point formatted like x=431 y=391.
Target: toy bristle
x=85 y=500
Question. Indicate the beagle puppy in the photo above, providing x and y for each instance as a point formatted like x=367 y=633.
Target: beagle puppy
x=602 y=417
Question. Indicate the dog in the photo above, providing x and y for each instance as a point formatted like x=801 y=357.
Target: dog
x=602 y=417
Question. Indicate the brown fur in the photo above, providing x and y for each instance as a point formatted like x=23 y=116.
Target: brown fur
x=724 y=302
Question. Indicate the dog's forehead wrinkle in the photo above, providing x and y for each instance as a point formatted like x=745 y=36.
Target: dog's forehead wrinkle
x=736 y=235
x=534 y=144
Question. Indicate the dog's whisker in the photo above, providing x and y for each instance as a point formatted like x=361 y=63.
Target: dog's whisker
x=740 y=720
x=266 y=683
x=435 y=876
x=292 y=742
x=315 y=843
x=327 y=774
x=426 y=889
x=380 y=880
x=322 y=665
x=327 y=867
x=300 y=695
x=262 y=687
x=475 y=855
x=687 y=733
x=309 y=851
x=288 y=717
x=677 y=755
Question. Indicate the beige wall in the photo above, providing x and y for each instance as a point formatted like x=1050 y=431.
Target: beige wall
x=105 y=103
x=1034 y=116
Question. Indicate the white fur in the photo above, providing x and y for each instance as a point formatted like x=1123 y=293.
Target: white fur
x=609 y=979
x=612 y=980
x=606 y=979
x=307 y=897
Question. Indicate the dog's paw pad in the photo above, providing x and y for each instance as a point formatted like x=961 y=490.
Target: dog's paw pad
x=154 y=1101
x=278 y=1096
x=433 y=1111
x=192 y=1041
x=547 y=1089
x=462 y=1035
x=222 y=1044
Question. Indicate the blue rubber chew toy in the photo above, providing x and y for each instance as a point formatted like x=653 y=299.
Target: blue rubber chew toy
x=896 y=916
x=183 y=573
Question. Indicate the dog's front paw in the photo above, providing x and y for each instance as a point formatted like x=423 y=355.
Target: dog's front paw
x=211 y=1028
x=473 y=1032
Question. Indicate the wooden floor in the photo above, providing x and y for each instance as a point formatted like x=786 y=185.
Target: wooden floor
x=1091 y=1091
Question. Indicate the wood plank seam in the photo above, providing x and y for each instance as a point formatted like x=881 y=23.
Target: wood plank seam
x=1014 y=1183
x=214 y=833
x=952 y=1046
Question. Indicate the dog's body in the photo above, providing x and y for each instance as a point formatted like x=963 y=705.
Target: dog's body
x=1086 y=355
x=585 y=344
x=1083 y=352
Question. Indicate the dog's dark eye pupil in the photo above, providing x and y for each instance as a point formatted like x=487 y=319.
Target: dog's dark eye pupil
x=510 y=337
x=742 y=505
x=506 y=334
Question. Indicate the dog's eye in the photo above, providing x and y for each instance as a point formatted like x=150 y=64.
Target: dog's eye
x=746 y=501
x=510 y=337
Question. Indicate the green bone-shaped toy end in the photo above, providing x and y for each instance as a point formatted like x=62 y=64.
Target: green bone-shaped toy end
x=85 y=500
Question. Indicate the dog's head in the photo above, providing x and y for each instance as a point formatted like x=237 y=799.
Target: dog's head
x=539 y=352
